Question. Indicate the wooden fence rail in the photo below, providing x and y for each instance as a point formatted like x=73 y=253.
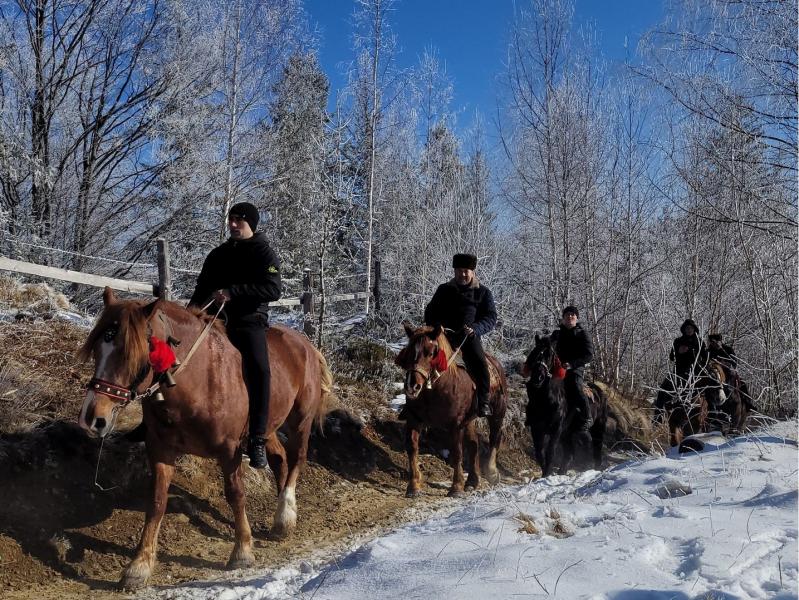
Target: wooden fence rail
x=162 y=289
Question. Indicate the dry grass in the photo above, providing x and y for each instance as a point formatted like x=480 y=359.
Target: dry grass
x=40 y=375
x=32 y=297
x=527 y=524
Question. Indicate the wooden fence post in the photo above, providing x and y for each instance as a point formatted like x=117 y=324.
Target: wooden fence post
x=307 y=303
x=164 y=279
x=376 y=288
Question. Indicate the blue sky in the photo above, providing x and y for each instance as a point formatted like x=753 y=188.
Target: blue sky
x=471 y=37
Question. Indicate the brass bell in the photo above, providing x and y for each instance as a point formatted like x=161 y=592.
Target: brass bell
x=159 y=397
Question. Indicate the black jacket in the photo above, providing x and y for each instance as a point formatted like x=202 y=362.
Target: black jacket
x=688 y=350
x=573 y=346
x=249 y=269
x=455 y=306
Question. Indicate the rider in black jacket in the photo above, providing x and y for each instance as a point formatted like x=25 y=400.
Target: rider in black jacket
x=244 y=272
x=574 y=349
x=466 y=307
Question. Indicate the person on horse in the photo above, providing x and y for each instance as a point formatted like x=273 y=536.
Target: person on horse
x=689 y=355
x=574 y=350
x=465 y=308
x=244 y=273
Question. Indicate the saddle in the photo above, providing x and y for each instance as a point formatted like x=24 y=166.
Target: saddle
x=493 y=374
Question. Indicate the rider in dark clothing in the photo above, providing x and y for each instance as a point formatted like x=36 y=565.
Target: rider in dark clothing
x=689 y=355
x=574 y=349
x=466 y=307
x=244 y=272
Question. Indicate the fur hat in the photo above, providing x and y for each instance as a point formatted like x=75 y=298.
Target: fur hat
x=246 y=211
x=570 y=310
x=464 y=261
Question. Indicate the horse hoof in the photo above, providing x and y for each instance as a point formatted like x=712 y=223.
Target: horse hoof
x=472 y=486
x=240 y=562
x=413 y=494
x=456 y=494
x=131 y=583
x=279 y=532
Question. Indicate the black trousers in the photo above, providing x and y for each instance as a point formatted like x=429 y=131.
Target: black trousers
x=249 y=337
x=573 y=384
x=475 y=359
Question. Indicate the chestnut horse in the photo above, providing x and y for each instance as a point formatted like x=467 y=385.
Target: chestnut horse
x=205 y=413
x=556 y=439
x=446 y=400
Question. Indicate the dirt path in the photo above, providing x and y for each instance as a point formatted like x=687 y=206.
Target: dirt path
x=62 y=537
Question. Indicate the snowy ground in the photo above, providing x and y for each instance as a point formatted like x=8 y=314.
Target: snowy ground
x=719 y=524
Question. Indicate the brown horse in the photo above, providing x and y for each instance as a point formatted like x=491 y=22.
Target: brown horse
x=728 y=398
x=205 y=413
x=688 y=405
x=446 y=400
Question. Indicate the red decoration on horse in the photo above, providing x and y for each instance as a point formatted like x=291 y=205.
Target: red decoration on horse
x=558 y=372
x=161 y=355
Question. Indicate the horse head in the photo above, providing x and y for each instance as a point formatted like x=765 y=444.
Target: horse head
x=119 y=344
x=712 y=383
x=539 y=363
x=425 y=355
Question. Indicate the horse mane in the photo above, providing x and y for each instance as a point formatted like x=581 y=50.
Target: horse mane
x=131 y=326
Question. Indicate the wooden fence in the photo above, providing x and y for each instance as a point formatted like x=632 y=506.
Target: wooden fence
x=162 y=288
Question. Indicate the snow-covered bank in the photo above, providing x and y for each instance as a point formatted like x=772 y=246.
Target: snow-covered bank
x=716 y=524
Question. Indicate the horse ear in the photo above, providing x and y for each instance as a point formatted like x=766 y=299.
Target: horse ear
x=537 y=338
x=108 y=297
x=438 y=331
x=150 y=308
x=408 y=328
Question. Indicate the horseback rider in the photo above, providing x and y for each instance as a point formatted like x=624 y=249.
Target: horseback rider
x=465 y=308
x=690 y=356
x=574 y=350
x=244 y=273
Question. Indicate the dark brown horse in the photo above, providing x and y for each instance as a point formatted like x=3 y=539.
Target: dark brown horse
x=447 y=400
x=205 y=413
x=556 y=438
x=687 y=406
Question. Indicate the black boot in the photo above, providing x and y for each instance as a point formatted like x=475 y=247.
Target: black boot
x=257 y=452
x=484 y=408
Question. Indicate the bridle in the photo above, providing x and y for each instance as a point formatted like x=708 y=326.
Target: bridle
x=123 y=396
x=430 y=378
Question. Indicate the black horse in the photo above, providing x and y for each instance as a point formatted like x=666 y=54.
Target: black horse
x=556 y=433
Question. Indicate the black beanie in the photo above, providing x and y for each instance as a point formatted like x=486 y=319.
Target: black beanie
x=570 y=310
x=464 y=261
x=246 y=211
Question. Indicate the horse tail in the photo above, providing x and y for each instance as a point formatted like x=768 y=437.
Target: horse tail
x=326 y=386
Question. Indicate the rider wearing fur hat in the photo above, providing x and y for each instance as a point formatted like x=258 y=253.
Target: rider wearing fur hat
x=465 y=307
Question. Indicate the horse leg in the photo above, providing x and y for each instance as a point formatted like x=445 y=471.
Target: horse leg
x=241 y=556
x=597 y=439
x=296 y=453
x=494 y=440
x=276 y=457
x=137 y=573
x=412 y=448
x=456 y=460
x=472 y=456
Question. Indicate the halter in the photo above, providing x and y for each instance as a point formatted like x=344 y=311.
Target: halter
x=125 y=395
x=431 y=377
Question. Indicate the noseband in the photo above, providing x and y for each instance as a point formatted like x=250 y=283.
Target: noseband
x=121 y=395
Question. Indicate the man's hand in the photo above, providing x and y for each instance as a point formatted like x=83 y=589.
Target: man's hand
x=221 y=296
x=468 y=331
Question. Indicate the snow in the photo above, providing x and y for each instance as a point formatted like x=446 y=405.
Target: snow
x=728 y=531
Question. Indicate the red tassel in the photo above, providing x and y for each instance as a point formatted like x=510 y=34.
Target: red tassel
x=161 y=355
x=558 y=372
x=439 y=363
